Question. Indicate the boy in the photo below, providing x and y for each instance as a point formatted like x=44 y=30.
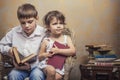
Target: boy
x=27 y=38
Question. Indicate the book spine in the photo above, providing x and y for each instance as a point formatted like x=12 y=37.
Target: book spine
x=103 y=64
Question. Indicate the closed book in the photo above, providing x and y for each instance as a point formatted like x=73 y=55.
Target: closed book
x=58 y=60
x=106 y=56
x=103 y=63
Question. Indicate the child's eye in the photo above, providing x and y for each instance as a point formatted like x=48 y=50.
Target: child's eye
x=61 y=23
x=54 y=23
x=23 y=23
x=30 y=21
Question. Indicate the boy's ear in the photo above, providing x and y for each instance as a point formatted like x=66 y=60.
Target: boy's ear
x=48 y=29
x=37 y=17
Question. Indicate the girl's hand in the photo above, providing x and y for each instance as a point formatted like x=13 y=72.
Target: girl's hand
x=54 y=50
x=50 y=54
x=45 y=55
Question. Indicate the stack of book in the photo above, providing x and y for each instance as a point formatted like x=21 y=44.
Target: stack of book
x=115 y=62
x=106 y=60
x=104 y=56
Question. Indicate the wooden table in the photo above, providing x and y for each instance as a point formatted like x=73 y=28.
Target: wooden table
x=94 y=72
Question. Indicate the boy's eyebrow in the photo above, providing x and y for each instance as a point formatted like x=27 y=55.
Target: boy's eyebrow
x=29 y=20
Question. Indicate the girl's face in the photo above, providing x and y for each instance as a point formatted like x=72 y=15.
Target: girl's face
x=56 y=27
x=28 y=25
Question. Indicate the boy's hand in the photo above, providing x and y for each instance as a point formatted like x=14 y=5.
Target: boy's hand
x=25 y=66
x=10 y=53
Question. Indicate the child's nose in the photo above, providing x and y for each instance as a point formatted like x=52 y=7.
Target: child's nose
x=58 y=25
x=27 y=25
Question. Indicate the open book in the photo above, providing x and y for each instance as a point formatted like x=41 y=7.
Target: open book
x=20 y=60
x=58 y=60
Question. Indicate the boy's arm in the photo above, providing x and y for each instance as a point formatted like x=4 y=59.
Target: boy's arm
x=6 y=43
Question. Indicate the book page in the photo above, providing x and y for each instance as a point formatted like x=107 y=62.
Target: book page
x=24 y=59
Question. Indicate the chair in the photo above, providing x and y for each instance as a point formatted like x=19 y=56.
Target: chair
x=70 y=61
x=6 y=66
x=69 y=65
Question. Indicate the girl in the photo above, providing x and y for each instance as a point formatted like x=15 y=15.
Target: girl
x=55 y=47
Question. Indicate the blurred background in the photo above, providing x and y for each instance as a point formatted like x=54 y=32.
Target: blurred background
x=91 y=21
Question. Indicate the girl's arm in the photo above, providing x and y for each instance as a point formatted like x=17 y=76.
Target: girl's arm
x=68 y=52
x=43 y=54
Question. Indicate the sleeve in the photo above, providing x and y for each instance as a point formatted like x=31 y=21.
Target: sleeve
x=6 y=42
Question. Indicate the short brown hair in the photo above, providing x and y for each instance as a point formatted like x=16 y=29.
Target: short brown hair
x=26 y=11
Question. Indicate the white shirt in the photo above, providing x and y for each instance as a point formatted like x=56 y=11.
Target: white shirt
x=25 y=45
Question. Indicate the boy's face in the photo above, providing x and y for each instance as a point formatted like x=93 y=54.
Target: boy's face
x=28 y=25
